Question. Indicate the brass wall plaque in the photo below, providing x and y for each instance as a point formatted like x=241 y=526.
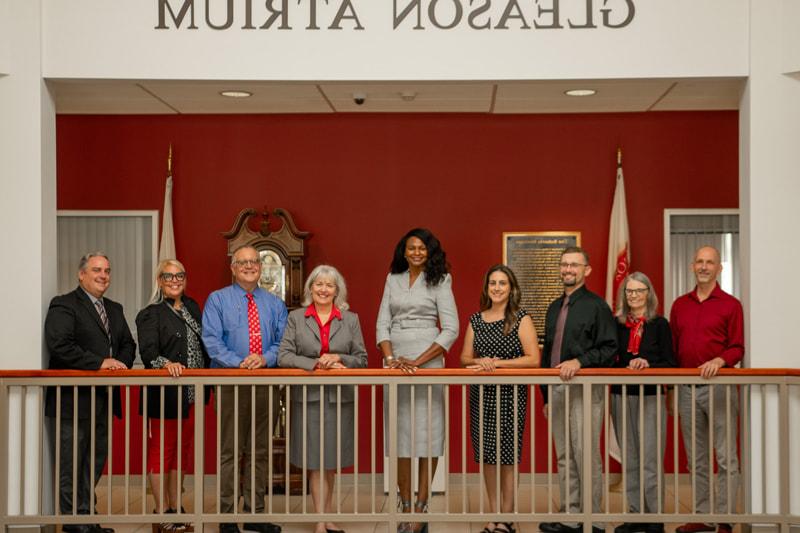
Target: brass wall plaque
x=534 y=258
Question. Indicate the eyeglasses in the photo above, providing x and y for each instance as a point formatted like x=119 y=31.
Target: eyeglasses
x=169 y=276
x=571 y=265
x=637 y=292
x=247 y=262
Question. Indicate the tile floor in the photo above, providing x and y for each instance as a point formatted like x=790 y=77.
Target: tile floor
x=454 y=503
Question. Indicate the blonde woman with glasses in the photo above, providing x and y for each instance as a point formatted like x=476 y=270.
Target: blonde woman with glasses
x=170 y=331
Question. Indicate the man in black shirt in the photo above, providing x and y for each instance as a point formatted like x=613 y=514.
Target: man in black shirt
x=579 y=332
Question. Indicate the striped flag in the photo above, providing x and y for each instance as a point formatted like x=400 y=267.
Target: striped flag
x=166 y=249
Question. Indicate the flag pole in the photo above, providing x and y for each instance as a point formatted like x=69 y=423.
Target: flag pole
x=619 y=157
x=169 y=161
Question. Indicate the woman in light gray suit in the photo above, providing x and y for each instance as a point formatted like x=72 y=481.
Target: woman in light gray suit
x=417 y=324
x=322 y=335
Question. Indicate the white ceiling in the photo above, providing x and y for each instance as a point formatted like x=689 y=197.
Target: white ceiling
x=179 y=97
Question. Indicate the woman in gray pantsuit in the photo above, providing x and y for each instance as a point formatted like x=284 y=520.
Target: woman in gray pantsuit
x=321 y=336
x=644 y=341
x=417 y=301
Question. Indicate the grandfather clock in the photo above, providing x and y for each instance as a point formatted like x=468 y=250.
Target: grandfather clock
x=282 y=254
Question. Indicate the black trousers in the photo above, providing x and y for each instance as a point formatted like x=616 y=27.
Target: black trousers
x=83 y=497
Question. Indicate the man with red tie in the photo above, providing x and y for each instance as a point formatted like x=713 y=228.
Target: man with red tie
x=242 y=328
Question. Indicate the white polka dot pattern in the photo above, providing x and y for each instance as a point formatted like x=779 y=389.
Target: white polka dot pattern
x=491 y=342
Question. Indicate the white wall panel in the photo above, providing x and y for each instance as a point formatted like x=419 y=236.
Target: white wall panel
x=119 y=39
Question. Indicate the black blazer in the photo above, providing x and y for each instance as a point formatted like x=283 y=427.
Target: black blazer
x=163 y=333
x=76 y=340
x=655 y=347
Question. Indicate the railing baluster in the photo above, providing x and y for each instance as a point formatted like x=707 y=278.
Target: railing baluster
x=534 y=410
x=287 y=403
x=550 y=449
x=270 y=459
x=179 y=448
x=446 y=458
x=624 y=447
x=161 y=475
x=480 y=452
x=464 y=408
x=144 y=449
x=356 y=417
x=128 y=445
x=373 y=446
x=110 y=446
x=606 y=451
x=675 y=466
x=57 y=467
x=711 y=389
x=642 y=455
x=236 y=464
x=659 y=452
x=517 y=451
x=694 y=449
x=253 y=491
x=199 y=454
x=92 y=444
x=218 y=424
x=74 y=451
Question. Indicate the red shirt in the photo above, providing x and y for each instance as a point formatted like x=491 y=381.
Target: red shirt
x=324 y=329
x=704 y=330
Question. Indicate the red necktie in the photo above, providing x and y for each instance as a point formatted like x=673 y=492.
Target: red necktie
x=254 y=325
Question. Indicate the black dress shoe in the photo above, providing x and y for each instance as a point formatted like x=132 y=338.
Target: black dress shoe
x=100 y=529
x=261 y=527
x=228 y=527
x=77 y=528
x=334 y=530
x=552 y=527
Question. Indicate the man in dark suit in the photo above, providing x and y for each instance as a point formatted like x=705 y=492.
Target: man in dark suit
x=84 y=331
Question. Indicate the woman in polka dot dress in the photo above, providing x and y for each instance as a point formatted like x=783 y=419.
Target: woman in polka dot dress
x=501 y=335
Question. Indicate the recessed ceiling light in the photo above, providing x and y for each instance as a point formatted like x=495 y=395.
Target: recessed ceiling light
x=580 y=92
x=236 y=94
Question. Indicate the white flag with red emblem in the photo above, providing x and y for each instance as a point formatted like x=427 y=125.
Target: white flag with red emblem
x=619 y=250
x=166 y=249
x=619 y=265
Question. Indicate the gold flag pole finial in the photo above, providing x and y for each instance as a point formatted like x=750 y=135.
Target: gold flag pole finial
x=169 y=161
x=619 y=157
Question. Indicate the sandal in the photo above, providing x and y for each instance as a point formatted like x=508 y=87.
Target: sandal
x=404 y=506
x=488 y=529
x=509 y=527
x=421 y=507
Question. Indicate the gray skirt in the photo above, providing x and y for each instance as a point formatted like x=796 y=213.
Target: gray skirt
x=312 y=435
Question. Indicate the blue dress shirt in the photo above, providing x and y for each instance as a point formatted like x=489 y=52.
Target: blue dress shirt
x=226 y=333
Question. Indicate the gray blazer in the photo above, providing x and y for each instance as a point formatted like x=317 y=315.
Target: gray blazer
x=301 y=344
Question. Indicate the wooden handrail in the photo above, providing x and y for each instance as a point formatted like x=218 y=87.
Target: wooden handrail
x=367 y=372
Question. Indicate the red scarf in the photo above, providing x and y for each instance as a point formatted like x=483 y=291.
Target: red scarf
x=636 y=325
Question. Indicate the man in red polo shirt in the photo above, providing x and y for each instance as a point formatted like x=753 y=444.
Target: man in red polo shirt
x=708 y=333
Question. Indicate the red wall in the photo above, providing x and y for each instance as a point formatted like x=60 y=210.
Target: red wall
x=358 y=182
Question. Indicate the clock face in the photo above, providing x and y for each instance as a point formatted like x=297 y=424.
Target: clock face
x=273 y=274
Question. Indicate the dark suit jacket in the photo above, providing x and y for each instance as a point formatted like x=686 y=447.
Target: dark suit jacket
x=301 y=344
x=163 y=333
x=76 y=340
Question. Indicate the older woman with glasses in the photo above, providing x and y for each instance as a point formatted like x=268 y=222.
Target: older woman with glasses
x=644 y=341
x=322 y=335
x=169 y=332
